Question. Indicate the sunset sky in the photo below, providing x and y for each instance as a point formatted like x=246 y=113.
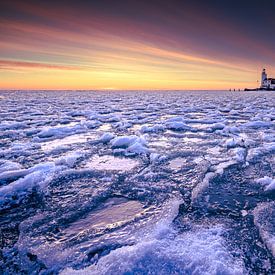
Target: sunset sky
x=139 y=44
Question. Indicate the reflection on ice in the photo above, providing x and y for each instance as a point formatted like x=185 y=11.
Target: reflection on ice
x=111 y=163
x=112 y=213
x=177 y=163
x=105 y=127
x=192 y=139
x=73 y=139
x=161 y=142
x=159 y=249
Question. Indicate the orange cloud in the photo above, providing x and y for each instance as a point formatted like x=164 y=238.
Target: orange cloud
x=13 y=65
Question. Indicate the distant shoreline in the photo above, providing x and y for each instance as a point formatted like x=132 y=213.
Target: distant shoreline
x=258 y=89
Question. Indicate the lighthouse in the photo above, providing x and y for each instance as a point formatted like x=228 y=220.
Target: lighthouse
x=267 y=83
x=264 y=77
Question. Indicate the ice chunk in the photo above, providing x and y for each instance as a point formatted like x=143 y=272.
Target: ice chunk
x=228 y=130
x=155 y=157
x=154 y=129
x=267 y=182
x=93 y=124
x=162 y=251
x=9 y=166
x=109 y=118
x=137 y=148
x=257 y=124
x=240 y=154
x=13 y=126
x=202 y=185
x=264 y=217
x=178 y=126
x=218 y=170
x=217 y=126
x=106 y=137
x=173 y=119
x=23 y=184
x=69 y=159
x=261 y=150
x=60 y=131
x=12 y=174
x=268 y=137
x=123 y=141
x=20 y=149
x=122 y=125
x=38 y=175
x=133 y=144
x=234 y=142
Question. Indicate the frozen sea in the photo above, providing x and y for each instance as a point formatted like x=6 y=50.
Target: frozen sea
x=137 y=182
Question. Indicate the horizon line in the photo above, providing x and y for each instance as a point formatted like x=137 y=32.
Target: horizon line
x=134 y=90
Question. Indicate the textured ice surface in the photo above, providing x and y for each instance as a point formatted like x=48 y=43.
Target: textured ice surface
x=162 y=250
x=264 y=216
x=137 y=182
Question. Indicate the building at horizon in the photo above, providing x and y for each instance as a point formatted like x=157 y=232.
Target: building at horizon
x=267 y=83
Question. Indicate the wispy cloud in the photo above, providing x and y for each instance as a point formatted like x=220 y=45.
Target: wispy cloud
x=106 y=45
x=15 y=65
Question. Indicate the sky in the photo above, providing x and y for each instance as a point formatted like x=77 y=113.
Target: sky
x=136 y=44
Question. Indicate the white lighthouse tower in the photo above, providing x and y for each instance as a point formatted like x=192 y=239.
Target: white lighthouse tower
x=264 y=77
